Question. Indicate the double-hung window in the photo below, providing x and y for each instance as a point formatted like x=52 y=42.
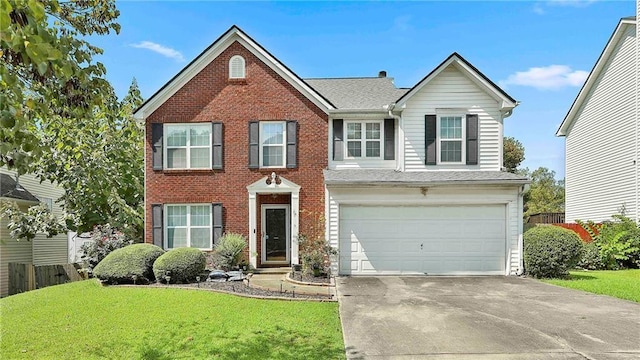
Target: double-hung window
x=188 y=146
x=364 y=139
x=188 y=226
x=451 y=139
x=273 y=135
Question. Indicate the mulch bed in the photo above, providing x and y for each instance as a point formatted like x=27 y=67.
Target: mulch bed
x=304 y=277
x=240 y=288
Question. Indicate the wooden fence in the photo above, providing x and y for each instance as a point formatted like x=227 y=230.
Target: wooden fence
x=547 y=218
x=24 y=276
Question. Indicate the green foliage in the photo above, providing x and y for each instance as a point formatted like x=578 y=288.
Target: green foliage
x=591 y=259
x=104 y=240
x=228 y=252
x=513 y=153
x=98 y=161
x=618 y=241
x=47 y=73
x=88 y=321
x=181 y=264
x=36 y=220
x=545 y=194
x=623 y=284
x=551 y=251
x=315 y=253
x=130 y=264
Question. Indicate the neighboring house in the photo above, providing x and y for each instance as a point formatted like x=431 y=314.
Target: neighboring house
x=602 y=130
x=408 y=180
x=27 y=191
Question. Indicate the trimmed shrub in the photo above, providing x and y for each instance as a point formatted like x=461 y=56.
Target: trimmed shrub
x=591 y=259
x=182 y=265
x=228 y=252
x=130 y=264
x=551 y=251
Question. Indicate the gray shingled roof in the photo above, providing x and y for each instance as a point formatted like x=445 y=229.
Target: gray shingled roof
x=358 y=93
x=390 y=177
x=8 y=189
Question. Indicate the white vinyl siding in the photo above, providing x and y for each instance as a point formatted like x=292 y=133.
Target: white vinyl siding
x=492 y=196
x=40 y=251
x=451 y=89
x=601 y=144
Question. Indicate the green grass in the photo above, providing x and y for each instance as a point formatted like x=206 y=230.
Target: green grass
x=84 y=320
x=623 y=284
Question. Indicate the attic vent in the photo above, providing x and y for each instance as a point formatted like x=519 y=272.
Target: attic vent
x=237 y=67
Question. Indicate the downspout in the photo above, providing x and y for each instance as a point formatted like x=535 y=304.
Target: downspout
x=521 y=192
x=636 y=162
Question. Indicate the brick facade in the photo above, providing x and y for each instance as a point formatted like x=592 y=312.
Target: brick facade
x=262 y=95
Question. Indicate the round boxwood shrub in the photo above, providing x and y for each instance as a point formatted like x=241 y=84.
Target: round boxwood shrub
x=591 y=258
x=182 y=264
x=133 y=263
x=551 y=251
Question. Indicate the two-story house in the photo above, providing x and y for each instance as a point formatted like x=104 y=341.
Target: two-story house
x=408 y=181
x=602 y=133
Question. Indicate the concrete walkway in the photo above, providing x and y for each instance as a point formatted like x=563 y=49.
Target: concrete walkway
x=482 y=318
x=277 y=282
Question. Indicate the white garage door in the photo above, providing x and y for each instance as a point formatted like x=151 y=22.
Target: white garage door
x=438 y=240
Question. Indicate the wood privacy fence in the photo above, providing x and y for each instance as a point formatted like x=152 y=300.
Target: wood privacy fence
x=24 y=276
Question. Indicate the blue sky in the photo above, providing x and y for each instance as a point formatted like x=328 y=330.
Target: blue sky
x=539 y=52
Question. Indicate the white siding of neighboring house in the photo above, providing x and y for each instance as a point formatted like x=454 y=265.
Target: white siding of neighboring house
x=486 y=195
x=601 y=146
x=451 y=89
x=42 y=250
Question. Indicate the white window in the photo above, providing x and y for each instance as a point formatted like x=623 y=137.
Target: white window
x=272 y=143
x=188 y=226
x=47 y=201
x=451 y=139
x=237 y=67
x=364 y=139
x=188 y=146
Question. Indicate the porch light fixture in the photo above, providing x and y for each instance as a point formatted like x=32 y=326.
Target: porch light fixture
x=273 y=179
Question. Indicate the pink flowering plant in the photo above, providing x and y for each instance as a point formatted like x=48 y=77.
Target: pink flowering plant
x=104 y=239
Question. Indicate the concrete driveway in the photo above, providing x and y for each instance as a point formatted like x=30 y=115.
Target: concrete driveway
x=482 y=318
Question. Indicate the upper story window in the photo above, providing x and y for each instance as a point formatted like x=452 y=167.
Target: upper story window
x=188 y=226
x=188 y=146
x=451 y=139
x=237 y=67
x=364 y=139
x=451 y=131
x=272 y=143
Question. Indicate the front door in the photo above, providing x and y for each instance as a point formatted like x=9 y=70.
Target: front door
x=275 y=234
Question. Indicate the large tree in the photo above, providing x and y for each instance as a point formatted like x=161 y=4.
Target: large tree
x=545 y=194
x=47 y=71
x=513 y=153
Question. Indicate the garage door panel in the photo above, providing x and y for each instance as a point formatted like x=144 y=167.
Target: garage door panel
x=433 y=240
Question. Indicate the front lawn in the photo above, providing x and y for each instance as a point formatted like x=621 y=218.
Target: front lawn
x=623 y=284
x=84 y=320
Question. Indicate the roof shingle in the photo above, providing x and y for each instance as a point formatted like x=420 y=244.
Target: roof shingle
x=358 y=93
x=390 y=177
x=9 y=189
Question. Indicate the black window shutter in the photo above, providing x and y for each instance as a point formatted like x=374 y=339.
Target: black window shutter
x=218 y=228
x=156 y=143
x=338 y=140
x=389 y=139
x=292 y=144
x=472 y=139
x=216 y=145
x=254 y=144
x=430 y=147
x=156 y=225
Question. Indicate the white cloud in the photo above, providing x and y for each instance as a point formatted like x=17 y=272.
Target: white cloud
x=160 y=49
x=574 y=3
x=551 y=77
x=538 y=9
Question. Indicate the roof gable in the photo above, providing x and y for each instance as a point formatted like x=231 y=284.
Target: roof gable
x=234 y=34
x=601 y=63
x=506 y=102
x=10 y=189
